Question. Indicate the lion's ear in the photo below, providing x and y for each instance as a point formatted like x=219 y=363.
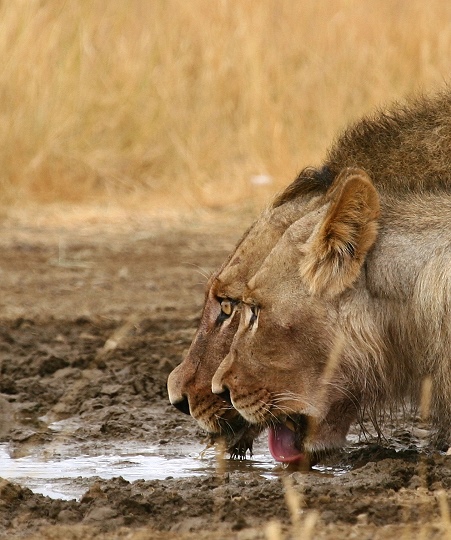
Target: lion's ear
x=336 y=250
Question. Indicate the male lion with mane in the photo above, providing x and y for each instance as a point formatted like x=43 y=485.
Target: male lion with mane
x=349 y=312
x=403 y=150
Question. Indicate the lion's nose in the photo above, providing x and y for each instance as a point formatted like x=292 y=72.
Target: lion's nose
x=176 y=390
x=217 y=386
x=182 y=405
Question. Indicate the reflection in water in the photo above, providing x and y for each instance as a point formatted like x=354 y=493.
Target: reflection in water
x=63 y=473
x=65 y=470
x=60 y=474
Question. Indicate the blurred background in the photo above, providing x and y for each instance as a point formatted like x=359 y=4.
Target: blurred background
x=199 y=103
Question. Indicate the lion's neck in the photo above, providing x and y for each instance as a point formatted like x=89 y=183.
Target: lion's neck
x=413 y=232
x=399 y=309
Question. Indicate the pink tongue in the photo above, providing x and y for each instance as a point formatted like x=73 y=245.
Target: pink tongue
x=281 y=445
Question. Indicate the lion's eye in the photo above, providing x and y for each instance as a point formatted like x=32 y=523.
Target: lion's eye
x=226 y=306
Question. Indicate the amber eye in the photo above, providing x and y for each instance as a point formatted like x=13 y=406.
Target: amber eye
x=226 y=306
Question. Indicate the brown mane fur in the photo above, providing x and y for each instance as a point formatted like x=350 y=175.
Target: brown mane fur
x=386 y=301
x=404 y=151
x=404 y=148
x=308 y=181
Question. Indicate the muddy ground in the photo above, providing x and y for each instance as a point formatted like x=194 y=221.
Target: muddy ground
x=93 y=316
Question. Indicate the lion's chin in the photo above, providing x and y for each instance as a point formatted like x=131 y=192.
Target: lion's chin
x=238 y=437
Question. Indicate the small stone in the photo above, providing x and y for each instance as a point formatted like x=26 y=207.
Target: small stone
x=362 y=519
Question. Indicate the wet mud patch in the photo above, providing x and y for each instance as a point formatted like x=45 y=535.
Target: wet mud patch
x=108 y=374
x=384 y=496
x=92 y=320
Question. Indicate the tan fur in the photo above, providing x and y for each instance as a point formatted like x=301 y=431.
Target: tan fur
x=388 y=308
x=404 y=151
x=190 y=383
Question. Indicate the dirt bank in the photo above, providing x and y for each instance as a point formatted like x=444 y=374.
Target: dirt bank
x=93 y=316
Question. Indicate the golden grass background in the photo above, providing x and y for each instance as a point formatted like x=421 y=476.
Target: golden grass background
x=192 y=98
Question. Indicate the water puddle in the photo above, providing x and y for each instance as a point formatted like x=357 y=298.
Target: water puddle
x=63 y=472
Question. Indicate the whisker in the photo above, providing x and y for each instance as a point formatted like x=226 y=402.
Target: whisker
x=200 y=270
x=346 y=392
x=273 y=420
x=228 y=424
x=290 y=396
x=226 y=408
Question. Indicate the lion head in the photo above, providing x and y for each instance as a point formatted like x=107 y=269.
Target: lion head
x=287 y=367
x=325 y=260
x=189 y=385
x=347 y=313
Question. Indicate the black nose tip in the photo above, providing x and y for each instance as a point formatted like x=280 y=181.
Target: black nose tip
x=183 y=405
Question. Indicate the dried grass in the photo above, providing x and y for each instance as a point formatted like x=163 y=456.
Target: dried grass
x=195 y=98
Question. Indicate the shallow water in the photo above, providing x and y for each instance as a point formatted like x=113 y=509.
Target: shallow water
x=60 y=473
x=65 y=469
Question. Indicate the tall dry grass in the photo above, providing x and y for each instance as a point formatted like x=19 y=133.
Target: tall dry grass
x=193 y=98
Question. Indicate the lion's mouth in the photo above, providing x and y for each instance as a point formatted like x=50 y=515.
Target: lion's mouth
x=285 y=440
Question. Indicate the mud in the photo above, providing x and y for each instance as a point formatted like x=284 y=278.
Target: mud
x=93 y=317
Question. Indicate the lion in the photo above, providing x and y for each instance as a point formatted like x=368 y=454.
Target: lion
x=189 y=384
x=403 y=149
x=350 y=312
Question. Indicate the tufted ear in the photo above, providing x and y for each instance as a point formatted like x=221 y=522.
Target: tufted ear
x=336 y=250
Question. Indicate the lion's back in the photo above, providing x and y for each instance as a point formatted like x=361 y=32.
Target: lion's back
x=406 y=147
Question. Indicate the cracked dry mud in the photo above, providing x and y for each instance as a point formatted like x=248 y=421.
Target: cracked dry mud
x=93 y=318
